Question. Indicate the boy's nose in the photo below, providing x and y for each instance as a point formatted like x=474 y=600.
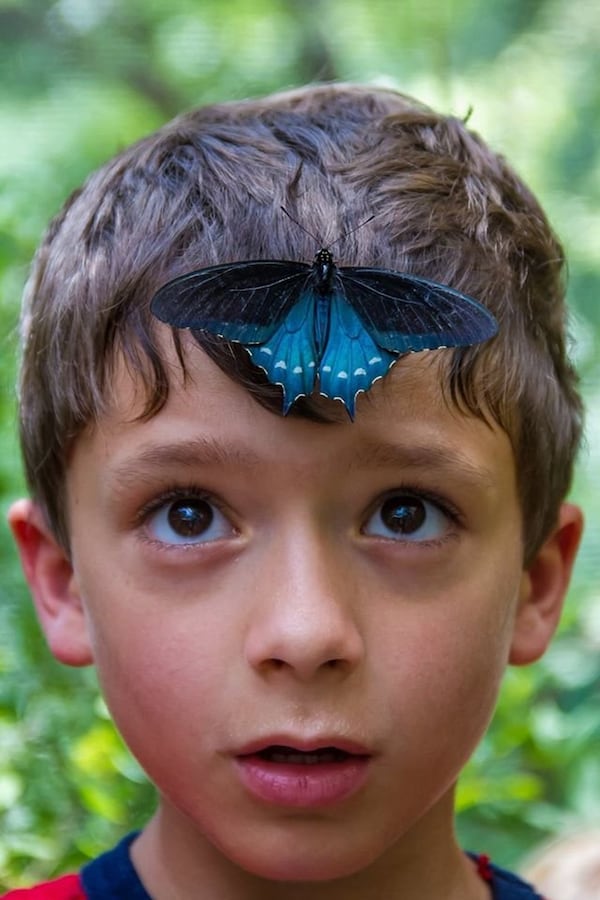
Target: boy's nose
x=304 y=621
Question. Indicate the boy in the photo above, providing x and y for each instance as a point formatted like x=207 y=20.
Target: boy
x=300 y=622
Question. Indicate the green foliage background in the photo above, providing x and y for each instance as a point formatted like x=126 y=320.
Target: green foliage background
x=82 y=78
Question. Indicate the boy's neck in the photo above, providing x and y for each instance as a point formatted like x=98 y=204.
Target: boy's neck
x=427 y=864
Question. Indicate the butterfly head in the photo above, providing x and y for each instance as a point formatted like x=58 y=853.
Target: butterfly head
x=324 y=269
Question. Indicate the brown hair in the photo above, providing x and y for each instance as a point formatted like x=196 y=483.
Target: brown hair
x=207 y=189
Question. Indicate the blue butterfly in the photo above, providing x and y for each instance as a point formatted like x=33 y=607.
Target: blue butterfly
x=307 y=326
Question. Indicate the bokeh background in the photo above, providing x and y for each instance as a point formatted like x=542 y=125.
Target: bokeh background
x=79 y=79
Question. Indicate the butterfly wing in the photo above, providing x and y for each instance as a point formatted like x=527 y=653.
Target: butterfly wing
x=241 y=302
x=406 y=313
x=289 y=356
x=351 y=359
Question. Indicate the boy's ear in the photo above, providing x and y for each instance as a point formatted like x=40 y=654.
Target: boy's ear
x=543 y=588
x=52 y=583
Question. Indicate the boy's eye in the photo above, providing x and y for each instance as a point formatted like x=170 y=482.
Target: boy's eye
x=188 y=520
x=407 y=517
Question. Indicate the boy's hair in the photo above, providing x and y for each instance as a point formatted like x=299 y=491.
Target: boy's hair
x=207 y=188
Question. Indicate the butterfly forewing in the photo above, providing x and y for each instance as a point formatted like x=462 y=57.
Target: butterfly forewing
x=239 y=301
x=405 y=313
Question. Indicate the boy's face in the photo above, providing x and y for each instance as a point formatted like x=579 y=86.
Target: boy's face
x=256 y=589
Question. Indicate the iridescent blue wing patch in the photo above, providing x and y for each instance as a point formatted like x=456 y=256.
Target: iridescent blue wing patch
x=289 y=357
x=320 y=327
x=351 y=361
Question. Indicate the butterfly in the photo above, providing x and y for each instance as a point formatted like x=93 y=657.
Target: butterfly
x=337 y=329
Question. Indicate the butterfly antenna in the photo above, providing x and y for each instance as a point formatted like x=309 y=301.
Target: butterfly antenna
x=318 y=240
x=301 y=227
x=352 y=230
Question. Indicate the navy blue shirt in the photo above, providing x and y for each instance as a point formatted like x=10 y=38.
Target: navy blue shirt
x=112 y=877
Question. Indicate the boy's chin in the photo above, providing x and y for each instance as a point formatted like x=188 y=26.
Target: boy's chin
x=316 y=865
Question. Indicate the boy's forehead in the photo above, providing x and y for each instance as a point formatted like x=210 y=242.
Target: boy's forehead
x=407 y=409
x=399 y=393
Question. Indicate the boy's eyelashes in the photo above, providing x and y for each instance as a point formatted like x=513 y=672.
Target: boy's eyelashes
x=189 y=516
x=411 y=515
x=185 y=516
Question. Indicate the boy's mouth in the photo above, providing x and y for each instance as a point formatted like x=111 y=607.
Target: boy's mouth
x=285 y=775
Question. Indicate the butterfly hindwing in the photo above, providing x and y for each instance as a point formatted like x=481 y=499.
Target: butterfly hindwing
x=289 y=356
x=351 y=359
x=406 y=313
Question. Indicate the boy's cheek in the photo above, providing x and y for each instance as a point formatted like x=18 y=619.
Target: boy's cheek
x=52 y=583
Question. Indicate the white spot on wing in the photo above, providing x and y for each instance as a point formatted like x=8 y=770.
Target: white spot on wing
x=360 y=371
x=281 y=364
x=342 y=374
x=374 y=359
x=297 y=370
x=266 y=350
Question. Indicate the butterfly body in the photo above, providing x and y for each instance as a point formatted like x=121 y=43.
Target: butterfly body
x=337 y=329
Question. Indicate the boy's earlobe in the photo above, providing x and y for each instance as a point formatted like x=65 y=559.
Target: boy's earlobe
x=52 y=583
x=544 y=586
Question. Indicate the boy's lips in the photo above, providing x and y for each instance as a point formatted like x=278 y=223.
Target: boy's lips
x=290 y=772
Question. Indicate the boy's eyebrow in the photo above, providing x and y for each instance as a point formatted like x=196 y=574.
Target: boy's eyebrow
x=439 y=457
x=374 y=454
x=184 y=454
